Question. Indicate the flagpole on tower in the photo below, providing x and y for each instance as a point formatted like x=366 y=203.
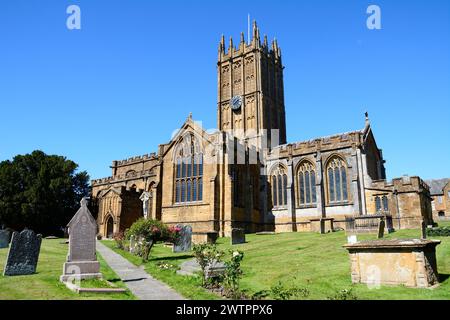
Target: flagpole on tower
x=248 y=28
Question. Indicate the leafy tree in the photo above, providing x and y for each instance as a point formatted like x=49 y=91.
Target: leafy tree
x=40 y=192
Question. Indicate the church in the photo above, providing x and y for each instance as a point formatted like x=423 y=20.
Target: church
x=246 y=175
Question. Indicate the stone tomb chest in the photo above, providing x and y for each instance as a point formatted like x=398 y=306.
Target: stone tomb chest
x=409 y=262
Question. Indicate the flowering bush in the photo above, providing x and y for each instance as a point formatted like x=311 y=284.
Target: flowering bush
x=173 y=234
x=150 y=232
x=233 y=274
x=206 y=254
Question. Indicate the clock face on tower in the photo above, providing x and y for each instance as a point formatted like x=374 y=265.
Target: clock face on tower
x=236 y=103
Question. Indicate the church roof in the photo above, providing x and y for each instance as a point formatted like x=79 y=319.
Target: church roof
x=437 y=185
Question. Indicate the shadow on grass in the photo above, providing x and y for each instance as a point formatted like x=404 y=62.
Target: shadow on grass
x=182 y=257
x=443 y=277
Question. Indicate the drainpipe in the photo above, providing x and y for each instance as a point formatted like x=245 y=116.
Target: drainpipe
x=398 y=208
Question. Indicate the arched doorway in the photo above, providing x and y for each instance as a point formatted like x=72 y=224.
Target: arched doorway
x=109 y=227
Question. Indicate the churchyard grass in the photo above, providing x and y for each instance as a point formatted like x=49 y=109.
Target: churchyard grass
x=45 y=283
x=317 y=262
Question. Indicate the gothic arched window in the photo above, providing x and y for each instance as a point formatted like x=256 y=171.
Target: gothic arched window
x=279 y=187
x=188 y=171
x=337 y=180
x=306 y=184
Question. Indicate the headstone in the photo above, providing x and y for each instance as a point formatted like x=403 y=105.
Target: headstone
x=215 y=269
x=23 y=253
x=352 y=239
x=237 y=236
x=82 y=259
x=424 y=230
x=132 y=244
x=381 y=226
x=184 y=243
x=5 y=236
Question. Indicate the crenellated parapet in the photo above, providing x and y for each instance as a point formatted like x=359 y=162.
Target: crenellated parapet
x=123 y=177
x=333 y=142
x=133 y=160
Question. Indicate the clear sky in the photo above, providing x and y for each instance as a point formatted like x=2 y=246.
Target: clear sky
x=124 y=82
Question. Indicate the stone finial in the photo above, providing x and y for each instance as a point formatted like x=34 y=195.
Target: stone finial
x=367 y=117
x=242 y=38
x=84 y=201
x=190 y=116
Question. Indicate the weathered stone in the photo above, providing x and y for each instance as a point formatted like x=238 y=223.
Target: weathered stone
x=82 y=259
x=409 y=262
x=184 y=243
x=237 y=236
x=381 y=226
x=23 y=253
x=5 y=237
x=132 y=244
x=424 y=230
x=215 y=270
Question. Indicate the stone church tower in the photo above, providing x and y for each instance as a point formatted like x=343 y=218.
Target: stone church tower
x=250 y=90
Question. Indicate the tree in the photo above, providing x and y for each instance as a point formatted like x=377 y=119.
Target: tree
x=40 y=192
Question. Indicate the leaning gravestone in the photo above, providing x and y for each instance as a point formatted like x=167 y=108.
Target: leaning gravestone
x=132 y=244
x=237 y=236
x=424 y=230
x=82 y=259
x=23 y=253
x=5 y=236
x=381 y=226
x=185 y=241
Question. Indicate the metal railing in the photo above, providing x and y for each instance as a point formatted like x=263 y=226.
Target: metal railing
x=368 y=223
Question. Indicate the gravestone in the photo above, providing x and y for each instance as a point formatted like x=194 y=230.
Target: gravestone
x=237 y=236
x=132 y=244
x=23 y=253
x=424 y=230
x=82 y=259
x=381 y=226
x=5 y=236
x=185 y=241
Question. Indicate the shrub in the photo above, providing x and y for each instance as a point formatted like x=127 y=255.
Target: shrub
x=345 y=294
x=119 y=238
x=233 y=274
x=150 y=232
x=206 y=254
x=439 y=232
x=281 y=292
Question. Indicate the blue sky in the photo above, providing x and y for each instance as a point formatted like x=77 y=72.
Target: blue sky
x=124 y=82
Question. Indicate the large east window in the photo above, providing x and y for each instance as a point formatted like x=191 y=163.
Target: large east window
x=188 y=172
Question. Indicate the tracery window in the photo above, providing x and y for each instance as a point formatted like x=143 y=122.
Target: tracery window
x=337 y=180
x=279 y=187
x=188 y=171
x=306 y=184
x=381 y=204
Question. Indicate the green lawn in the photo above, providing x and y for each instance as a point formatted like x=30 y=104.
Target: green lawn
x=45 y=283
x=310 y=260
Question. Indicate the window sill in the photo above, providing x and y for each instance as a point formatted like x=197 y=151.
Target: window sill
x=338 y=204
x=306 y=206
x=189 y=204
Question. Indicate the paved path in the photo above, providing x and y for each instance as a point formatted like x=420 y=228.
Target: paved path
x=140 y=283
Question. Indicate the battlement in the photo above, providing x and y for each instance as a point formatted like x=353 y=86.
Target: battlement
x=122 y=177
x=145 y=157
x=323 y=142
x=403 y=184
x=273 y=51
